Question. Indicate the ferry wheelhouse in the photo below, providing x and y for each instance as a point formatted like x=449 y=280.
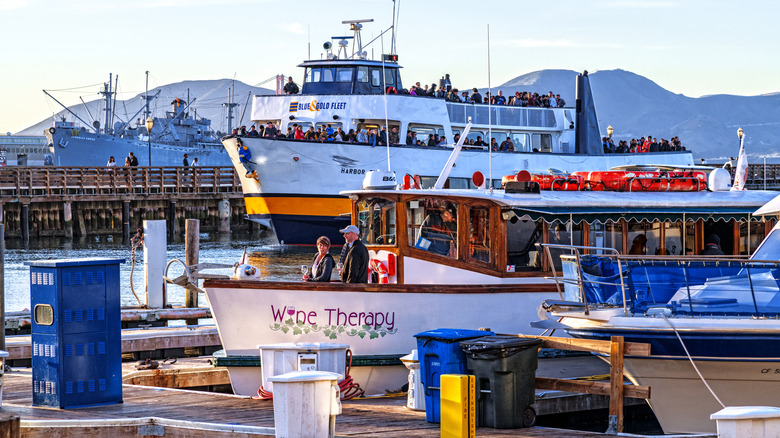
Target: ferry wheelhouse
x=490 y=273
x=292 y=186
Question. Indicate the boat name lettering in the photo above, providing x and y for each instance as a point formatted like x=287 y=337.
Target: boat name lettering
x=770 y=371
x=353 y=171
x=317 y=106
x=336 y=317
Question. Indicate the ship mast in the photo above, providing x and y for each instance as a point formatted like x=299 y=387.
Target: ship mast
x=108 y=95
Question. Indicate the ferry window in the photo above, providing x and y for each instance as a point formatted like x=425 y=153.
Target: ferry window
x=375 y=77
x=499 y=136
x=522 y=238
x=479 y=234
x=424 y=132
x=433 y=226
x=344 y=74
x=522 y=142
x=542 y=142
x=472 y=137
x=313 y=75
x=327 y=75
x=324 y=126
x=609 y=235
x=362 y=74
x=376 y=219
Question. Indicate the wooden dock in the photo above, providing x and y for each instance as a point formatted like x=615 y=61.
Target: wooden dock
x=178 y=413
x=81 y=201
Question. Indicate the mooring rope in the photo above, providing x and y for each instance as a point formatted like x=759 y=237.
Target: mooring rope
x=691 y=359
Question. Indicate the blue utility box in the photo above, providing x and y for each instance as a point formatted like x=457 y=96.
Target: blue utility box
x=440 y=353
x=76 y=332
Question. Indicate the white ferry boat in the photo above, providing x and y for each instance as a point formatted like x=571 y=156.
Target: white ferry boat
x=296 y=184
x=492 y=275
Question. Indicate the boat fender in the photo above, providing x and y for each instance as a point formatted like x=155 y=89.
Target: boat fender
x=52 y=130
x=379 y=267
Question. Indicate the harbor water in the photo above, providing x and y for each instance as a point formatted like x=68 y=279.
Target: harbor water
x=275 y=262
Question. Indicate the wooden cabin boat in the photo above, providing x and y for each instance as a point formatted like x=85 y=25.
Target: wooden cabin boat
x=485 y=270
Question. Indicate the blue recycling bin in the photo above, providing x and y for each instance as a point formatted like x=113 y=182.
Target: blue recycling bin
x=76 y=332
x=440 y=353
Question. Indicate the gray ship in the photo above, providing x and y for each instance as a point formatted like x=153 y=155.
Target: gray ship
x=173 y=135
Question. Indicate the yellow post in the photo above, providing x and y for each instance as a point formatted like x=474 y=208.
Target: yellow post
x=458 y=413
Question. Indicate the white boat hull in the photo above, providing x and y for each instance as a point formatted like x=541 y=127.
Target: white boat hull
x=675 y=388
x=373 y=323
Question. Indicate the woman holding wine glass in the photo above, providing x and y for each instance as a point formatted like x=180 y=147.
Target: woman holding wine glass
x=322 y=265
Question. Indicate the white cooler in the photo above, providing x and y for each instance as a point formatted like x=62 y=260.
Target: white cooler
x=277 y=359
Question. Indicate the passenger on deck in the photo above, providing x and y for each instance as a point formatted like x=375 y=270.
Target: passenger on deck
x=362 y=136
x=713 y=246
x=438 y=232
x=410 y=138
x=639 y=245
x=475 y=96
x=111 y=162
x=290 y=87
x=133 y=159
x=355 y=268
x=322 y=266
x=253 y=132
x=394 y=135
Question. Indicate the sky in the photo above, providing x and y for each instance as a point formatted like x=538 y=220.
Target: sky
x=695 y=48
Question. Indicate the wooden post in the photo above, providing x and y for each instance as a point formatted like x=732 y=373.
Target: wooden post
x=224 y=216
x=616 y=386
x=67 y=215
x=155 y=255
x=191 y=253
x=172 y=219
x=125 y=221
x=25 y=219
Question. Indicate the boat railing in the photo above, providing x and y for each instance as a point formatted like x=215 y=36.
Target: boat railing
x=690 y=285
x=503 y=115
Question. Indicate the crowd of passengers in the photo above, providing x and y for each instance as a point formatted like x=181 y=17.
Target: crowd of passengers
x=364 y=136
x=643 y=145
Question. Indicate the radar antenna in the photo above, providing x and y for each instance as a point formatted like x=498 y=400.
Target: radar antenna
x=355 y=26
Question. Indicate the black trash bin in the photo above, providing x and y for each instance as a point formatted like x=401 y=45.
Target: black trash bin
x=505 y=372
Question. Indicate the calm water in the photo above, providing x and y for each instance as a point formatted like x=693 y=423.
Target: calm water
x=274 y=261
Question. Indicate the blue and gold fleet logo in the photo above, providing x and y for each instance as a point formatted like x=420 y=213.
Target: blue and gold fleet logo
x=315 y=106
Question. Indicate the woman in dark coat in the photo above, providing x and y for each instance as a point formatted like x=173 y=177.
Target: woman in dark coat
x=322 y=265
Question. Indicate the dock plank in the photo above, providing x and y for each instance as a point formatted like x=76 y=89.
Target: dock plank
x=385 y=417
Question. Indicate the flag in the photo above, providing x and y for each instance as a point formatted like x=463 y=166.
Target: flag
x=740 y=174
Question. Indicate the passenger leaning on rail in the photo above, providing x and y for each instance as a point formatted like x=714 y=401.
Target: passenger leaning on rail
x=322 y=265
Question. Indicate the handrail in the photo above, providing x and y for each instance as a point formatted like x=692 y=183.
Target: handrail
x=739 y=265
x=667 y=179
x=29 y=182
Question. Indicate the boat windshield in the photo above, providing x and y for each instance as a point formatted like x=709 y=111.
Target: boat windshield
x=376 y=219
x=770 y=247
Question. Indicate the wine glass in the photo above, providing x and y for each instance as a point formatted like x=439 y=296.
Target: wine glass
x=304 y=268
x=339 y=266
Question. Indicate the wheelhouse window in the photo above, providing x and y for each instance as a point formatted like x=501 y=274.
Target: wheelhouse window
x=522 y=238
x=376 y=219
x=375 y=77
x=433 y=226
x=542 y=142
x=313 y=74
x=344 y=74
x=327 y=75
x=479 y=234
x=389 y=77
x=362 y=74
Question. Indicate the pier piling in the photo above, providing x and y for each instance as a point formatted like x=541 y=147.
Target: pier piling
x=155 y=258
x=191 y=256
x=125 y=221
x=224 y=216
x=25 y=219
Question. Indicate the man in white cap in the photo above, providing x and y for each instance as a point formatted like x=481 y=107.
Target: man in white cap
x=355 y=268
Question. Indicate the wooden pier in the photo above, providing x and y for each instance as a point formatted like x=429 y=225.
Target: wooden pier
x=83 y=201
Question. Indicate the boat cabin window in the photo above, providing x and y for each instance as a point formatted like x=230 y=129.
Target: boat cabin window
x=479 y=234
x=344 y=74
x=313 y=74
x=609 y=235
x=375 y=77
x=563 y=233
x=390 y=77
x=542 y=142
x=522 y=238
x=748 y=242
x=522 y=142
x=433 y=226
x=324 y=126
x=644 y=238
x=362 y=74
x=327 y=74
x=376 y=219
x=673 y=238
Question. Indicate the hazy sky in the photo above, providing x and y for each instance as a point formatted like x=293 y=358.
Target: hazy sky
x=695 y=47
